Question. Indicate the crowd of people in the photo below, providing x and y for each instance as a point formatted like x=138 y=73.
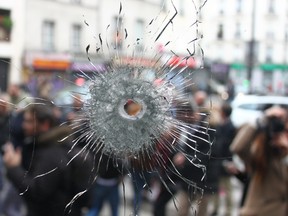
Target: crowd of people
x=44 y=173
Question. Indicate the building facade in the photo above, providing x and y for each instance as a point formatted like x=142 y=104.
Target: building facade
x=48 y=41
x=11 y=41
x=229 y=28
x=57 y=33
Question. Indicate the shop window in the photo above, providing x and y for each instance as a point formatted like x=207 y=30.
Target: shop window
x=5 y=25
x=48 y=35
x=76 y=38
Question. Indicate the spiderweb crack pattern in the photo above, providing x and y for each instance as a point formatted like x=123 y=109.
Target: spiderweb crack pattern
x=146 y=141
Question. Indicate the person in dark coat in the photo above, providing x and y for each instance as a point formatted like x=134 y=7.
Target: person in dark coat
x=204 y=169
x=190 y=159
x=11 y=203
x=225 y=133
x=106 y=186
x=49 y=184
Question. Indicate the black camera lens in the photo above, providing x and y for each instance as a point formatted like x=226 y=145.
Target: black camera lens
x=276 y=125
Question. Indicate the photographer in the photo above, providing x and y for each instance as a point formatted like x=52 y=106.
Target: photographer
x=263 y=147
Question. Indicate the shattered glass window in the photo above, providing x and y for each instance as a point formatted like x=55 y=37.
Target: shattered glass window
x=137 y=113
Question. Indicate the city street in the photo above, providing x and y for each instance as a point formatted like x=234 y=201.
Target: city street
x=146 y=208
x=181 y=93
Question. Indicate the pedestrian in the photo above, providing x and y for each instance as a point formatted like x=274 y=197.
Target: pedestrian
x=190 y=159
x=106 y=187
x=49 y=184
x=10 y=202
x=18 y=96
x=225 y=133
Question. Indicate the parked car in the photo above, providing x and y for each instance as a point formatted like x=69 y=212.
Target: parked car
x=246 y=108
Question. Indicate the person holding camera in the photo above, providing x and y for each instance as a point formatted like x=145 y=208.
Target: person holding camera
x=263 y=147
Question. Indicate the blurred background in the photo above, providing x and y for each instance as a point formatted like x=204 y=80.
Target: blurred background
x=44 y=44
x=245 y=42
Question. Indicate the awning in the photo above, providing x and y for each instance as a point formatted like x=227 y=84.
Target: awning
x=264 y=67
x=272 y=67
x=45 y=64
x=238 y=66
x=88 y=67
x=136 y=62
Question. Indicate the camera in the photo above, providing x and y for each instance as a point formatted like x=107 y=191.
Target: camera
x=275 y=125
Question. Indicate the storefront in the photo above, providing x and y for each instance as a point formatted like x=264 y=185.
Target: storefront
x=266 y=78
x=45 y=73
x=137 y=66
x=220 y=72
x=187 y=68
x=83 y=68
x=275 y=78
x=238 y=75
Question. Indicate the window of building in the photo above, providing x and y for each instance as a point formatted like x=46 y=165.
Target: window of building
x=237 y=53
x=181 y=7
x=271 y=6
x=48 y=35
x=269 y=54
x=237 y=31
x=163 y=5
x=118 y=21
x=76 y=38
x=221 y=7
x=238 y=6
x=270 y=35
x=5 y=25
x=139 y=32
x=4 y=68
x=118 y=32
x=220 y=33
x=76 y=1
